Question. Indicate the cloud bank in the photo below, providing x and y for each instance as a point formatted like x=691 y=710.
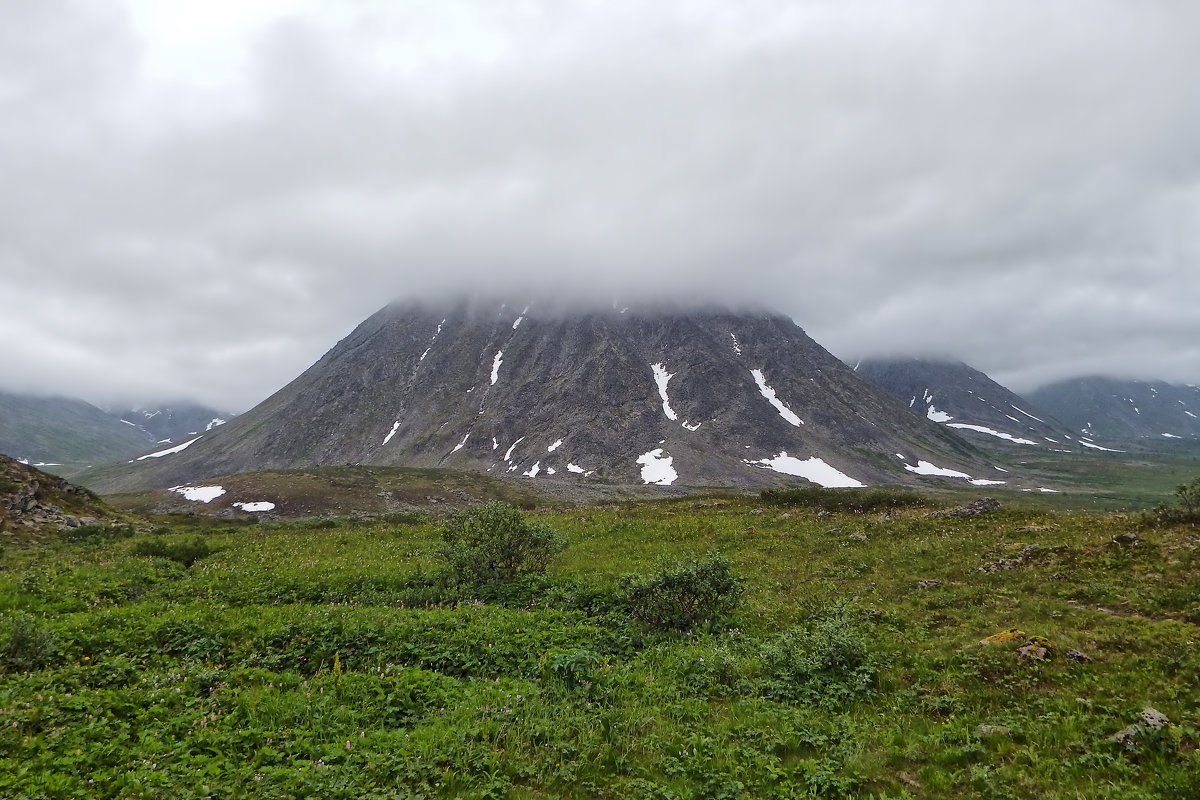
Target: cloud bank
x=196 y=202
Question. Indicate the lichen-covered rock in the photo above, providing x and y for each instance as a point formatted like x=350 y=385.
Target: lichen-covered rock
x=1004 y=637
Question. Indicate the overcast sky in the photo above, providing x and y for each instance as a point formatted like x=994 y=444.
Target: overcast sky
x=198 y=199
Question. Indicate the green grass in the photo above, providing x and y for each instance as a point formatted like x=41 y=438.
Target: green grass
x=339 y=661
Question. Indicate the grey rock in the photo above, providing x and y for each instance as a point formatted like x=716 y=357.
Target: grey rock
x=981 y=506
x=992 y=731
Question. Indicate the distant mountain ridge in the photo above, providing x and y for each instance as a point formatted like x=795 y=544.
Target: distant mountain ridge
x=694 y=397
x=1122 y=409
x=66 y=434
x=961 y=397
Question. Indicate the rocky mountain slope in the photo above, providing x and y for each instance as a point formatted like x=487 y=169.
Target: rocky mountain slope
x=696 y=397
x=172 y=423
x=1123 y=410
x=33 y=502
x=961 y=397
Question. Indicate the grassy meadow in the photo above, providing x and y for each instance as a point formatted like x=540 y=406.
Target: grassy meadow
x=337 y=658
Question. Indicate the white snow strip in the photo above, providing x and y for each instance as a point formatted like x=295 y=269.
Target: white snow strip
x=662 y=378
x=554 y=446
x=769 y=393
x=495 y=444
x=1098 y=447
x=693 y=427
x=496 y=362
x=169 y=451
x=986 y=482
x=737 y=348
x=937 y=416
x=912 y=402
x=656 y=468
x=1190 y=414
x=1172 y=436
x=550 y=470
x=813 y=469
x=127 y=422
x=518 y=321
x=1002 y=469
x=1048 y=491
x=200 y=494
x=261 y=505
x=459 y=446
x=1026 y=413
x=392 y=432
x=427 y=349
x=990 y=432
x=508 y=453
x=25 y=461
x=575 y=468
x=214 y=423
x=534 y=470
x=926 y=468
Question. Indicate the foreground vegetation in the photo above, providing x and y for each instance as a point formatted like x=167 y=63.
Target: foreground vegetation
x=809 y=644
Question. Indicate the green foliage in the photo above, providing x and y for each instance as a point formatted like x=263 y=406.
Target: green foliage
x=96 y=534
x=186 y=552
x=680 y=595
x=1186 y=510
x=24 y=645
x=859 y=501
x=1189 y=497
x=495 y=542
x=827 y=660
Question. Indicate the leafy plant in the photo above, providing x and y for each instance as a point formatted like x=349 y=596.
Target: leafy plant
x=679 y=595
x=186 y=553
x=827 y=661
x=495 y=542
x=859 y=501
x=25 y=645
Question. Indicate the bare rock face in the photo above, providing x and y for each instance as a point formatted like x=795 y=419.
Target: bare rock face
x=700 y=397
x=34 y=502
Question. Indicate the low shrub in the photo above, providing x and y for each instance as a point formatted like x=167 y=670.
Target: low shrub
x=495 y=542
x=25 y=645
x=186 y=552
x=858 y=501
x=826 y=661
x=682 y=594
x=96 y=534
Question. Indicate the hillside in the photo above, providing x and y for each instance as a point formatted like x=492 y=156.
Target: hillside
x=665 y=396
x=174 y=422
x=37 y=504
x=1124 y=410
x=64 y=433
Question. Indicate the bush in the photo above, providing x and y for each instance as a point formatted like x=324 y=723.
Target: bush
x=825 y=661
x=96 y=534
x=25 y=645
x=682 y=594
x=858 y=501
x=495 y=542
x=1186 y=510
x=186 y=553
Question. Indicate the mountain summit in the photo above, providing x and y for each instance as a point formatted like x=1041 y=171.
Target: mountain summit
x=697 y=397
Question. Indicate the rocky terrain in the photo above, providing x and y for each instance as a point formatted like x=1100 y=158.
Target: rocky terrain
x=33 y=503
x=1124 y=410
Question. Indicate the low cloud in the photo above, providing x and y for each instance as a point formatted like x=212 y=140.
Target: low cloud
x=204 y=213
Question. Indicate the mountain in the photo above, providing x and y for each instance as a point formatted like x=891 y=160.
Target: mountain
x=174 y=422
x=58 y=432
x=1124 y=410
x=965 y=399
x=698 y=397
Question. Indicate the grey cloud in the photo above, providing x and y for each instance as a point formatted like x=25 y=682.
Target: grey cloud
x=1014 y=184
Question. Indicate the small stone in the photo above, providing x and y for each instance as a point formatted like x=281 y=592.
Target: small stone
x=980 y=506
x=858 y=537
x=1154 y=718
x=931 y=583
x=823 y=514
x=756 y=512
x=1129 y=537
x=992 y=731
x=1075 y=655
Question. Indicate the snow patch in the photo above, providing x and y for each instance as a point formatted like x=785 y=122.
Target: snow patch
x=926 y=468
x=1172 y=436
x=496 y=362
x=169 y=451
x=769 y=393
x=495 y=444
x=986 y=482
x=214 y=422
x=554 y=446
x=656 y=468
x=693 y=427
x=990 y=432
x=937 y=416
x=534 y=470
x=508 y=453
x=391 y=433
x=550 y=470
x=662 y=378
x=737 y=348
x=1031 y=416
x=199 y=494
x=575 y=468
x=1098 y=447
x=813 y=469
x=261 y=505
x=460 y=445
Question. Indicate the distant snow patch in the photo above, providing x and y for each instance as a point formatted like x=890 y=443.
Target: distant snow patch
x=495 y=444
x=199 y=494
x=496 y=362
x=656 y=468
x=391 y=433
x=813 y=469
x=737 y=348
x=693 y=427
x=127 y=422
x=986 y=482
x=533 y=471
x=769 y=393
x=990 y=432
x=214 y=422
x=508 y=453
x=518 y=321
x=662 y=378
x=554 y=446
x=926 y=468
x=261 y=505
x=1190 y=414
x=575 y=468
x=1172 y=436
x=1031 y=416
x=169 y=451
x=1002 y=469
x=1098 y=447
x=460 y=445
x=937 y=416
x=550 y=470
